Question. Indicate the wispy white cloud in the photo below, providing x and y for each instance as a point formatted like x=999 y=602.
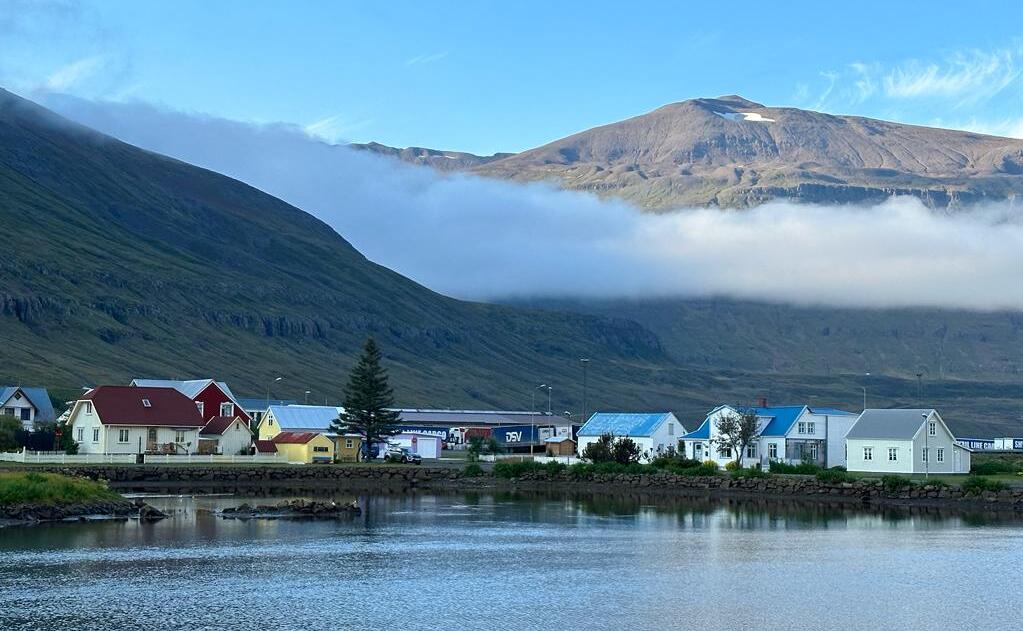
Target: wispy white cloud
x=420 y=60
x=74 y=73
x=335 y=128
x=966 y=76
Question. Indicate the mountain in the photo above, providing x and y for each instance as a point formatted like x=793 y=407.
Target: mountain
x=731 y=152
x=440 y=160
x=121 y=263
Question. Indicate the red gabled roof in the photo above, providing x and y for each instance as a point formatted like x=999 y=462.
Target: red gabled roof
x=294 y=438
x=265 y=446
x=123 y=405
x=219 y=424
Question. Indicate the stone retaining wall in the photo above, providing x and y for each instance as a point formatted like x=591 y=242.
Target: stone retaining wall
x=326 y=478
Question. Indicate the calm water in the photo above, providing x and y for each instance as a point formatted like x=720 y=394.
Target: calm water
x=453 y=562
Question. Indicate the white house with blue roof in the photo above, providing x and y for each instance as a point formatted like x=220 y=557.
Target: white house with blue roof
x=787 y=433
x=297 y=418
x=654 y=432
x=27 y=404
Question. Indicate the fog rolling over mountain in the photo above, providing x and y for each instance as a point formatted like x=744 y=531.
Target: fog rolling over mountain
x=730 y=152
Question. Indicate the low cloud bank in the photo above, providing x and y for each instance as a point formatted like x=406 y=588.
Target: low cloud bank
x=476 y=238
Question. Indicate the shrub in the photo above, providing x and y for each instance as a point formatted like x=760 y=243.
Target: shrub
x=674 y=461
x=706 y=469
x=732 y=466
x=834 y=476
x=472 y=470
x=750 y=473
x=803 y=468
x=975 y=485
x=510 y=470
x=993 y=467
x=607 y=448
x=50 y=488
x=710 y=463
x=895 y=482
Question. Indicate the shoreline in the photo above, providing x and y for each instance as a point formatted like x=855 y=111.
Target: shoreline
x=388 y=479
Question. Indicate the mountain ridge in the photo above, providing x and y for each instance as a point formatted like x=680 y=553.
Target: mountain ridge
x=732 y=152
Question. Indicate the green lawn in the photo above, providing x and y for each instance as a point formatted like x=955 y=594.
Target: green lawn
x=50 y=488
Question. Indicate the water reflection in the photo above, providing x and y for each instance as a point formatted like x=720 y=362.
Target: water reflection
x=516 y=561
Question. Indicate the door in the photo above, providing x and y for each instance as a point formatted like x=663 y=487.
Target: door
x=151 y=440
x=698 y=452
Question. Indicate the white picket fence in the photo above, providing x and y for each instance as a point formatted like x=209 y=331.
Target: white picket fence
x=49 y=457
x=525 y=457
x=213 y=459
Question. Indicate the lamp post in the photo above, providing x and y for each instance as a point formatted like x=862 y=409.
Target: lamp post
x=927 y=447
x=268 y=393
x=585 y=362
x=307 y=396
x=532 y=413
x=865 y=393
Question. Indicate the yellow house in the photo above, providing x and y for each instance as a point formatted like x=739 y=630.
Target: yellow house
x=307 y=447
x=347 y=447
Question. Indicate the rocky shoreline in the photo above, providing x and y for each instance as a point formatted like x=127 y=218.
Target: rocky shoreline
x=29 y=514
x=281 y=480
x=293 y=509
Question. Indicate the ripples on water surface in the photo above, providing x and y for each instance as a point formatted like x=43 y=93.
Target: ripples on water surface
x=451 y=562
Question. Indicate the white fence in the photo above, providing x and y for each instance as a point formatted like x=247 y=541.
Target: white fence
x=524 y=457
x=561 y=459
x=213 y=459
x=49 y=457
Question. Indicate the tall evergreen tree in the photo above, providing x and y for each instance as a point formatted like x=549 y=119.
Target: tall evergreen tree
x=367 y=397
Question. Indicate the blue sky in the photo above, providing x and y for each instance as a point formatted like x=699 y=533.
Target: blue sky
x=499 y=76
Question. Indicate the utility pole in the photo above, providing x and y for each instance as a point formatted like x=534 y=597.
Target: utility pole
x=865 y=394
x=927 y=447
x=919 y=388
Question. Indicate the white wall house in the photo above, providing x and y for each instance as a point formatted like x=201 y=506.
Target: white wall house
x=790 y=433
x=130 y=420
x=226 y=436
x=653 y=432
x=904 y=441
x=28 y=405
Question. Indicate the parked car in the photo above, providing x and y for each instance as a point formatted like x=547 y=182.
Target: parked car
x=402 y=454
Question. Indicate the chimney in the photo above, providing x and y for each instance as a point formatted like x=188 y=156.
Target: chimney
x=762 y=402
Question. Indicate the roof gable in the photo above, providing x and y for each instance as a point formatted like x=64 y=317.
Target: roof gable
x=220 y=424
x=625 y=423
x=314 y=417
x=38 y=397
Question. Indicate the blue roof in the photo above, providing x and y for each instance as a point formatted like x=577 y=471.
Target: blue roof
x=703 y=431
x=38 y=397
x=312 y=417
x=623 y=423
x=780 y=418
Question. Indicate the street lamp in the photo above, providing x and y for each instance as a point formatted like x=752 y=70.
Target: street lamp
x=532 y=413
x=307 y=396
x=268 y=390
x=927 y=447
x=865 y=394
x=585 y=362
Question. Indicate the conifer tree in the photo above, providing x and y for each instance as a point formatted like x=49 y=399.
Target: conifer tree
x=368 y=397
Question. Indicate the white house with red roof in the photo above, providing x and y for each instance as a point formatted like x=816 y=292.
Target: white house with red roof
x=133 y=420
x=225 y=435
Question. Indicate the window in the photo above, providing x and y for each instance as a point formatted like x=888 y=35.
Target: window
x=941 y=454
x=893 y=454
x=671 y=429
x=811 y=427
x=179 y=436
x=122 y=436
x=751 y=450
x=932 y=428
x=95 y=434
x=146 y=403
x=924 y=454
x=801 y=427
x=227 y=409
x=81 y=434
x=88 y=407
x=772 y=451
x=349 y=443
x=868 y=453
x=814 y=452
x=26 y=414
x=320 y=449
x=9 y=411
x=199 y=405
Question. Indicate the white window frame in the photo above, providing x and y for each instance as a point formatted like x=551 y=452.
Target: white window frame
x=940 y=455
x=724 y=452
x=814 y=451
x=179 y=436
x=227 y=405
x=95 y=434
x=751 y=450
x=81 y=434
x=123 y=436
x=811 y=427
x=801 y=427
x=146 y=403
x=893 y=454
x=923 y=454
x=772 y=451
x=200 y=405
x=932 y=428
x=88 y=407
x=868 y=454
x=349 y=443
